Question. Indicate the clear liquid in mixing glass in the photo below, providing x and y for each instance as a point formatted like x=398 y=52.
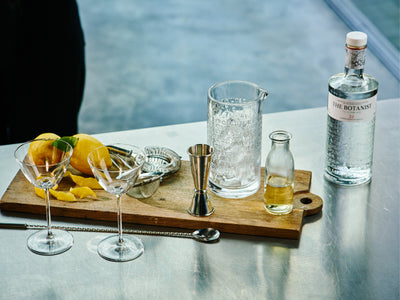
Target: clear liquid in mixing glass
x=278 y=195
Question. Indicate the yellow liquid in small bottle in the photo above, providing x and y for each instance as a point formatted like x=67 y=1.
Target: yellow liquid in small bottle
x=278 y=195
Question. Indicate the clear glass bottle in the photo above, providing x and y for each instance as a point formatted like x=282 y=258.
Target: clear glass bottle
x=351 y=118
x=279 y=175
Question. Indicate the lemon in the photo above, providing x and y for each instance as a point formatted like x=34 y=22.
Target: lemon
x=83 y=192
x=42 y=152
x=40 y=192
x=67 y=174
x=83 y=147
x=90 y=182
x=64 y=196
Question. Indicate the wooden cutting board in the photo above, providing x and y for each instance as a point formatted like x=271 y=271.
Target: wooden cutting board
x=168 y=206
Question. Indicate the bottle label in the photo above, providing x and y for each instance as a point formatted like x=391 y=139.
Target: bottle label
x=355 y=58
x=351 y=110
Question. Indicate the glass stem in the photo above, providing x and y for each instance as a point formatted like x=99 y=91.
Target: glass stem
x=119 y=216
x=48 y=214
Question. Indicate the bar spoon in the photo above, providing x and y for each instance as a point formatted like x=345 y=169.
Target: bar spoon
x=206 y=235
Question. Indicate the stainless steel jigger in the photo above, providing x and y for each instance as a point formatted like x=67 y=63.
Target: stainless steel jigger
x=200 y=159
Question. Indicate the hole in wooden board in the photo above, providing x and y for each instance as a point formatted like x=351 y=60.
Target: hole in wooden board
x=305 y=200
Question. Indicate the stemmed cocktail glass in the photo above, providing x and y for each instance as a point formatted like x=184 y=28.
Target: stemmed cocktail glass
x=44 y=162
x=116 y=168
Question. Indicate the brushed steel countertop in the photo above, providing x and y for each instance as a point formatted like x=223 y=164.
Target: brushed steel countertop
x=349 y=251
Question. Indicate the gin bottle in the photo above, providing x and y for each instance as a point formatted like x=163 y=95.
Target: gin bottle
x=351 y=118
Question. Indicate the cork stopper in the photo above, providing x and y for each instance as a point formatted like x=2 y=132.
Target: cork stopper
x=356 y=39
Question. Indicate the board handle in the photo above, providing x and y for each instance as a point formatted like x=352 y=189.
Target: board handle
x=310 y=203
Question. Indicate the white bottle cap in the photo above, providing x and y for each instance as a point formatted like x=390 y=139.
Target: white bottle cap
x=356 y=39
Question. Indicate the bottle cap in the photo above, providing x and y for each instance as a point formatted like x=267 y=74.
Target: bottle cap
x=356 y=39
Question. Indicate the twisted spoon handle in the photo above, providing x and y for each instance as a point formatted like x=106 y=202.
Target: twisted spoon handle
x=91 y=229
x=128 y=231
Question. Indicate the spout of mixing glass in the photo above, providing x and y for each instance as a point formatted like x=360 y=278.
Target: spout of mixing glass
x=263 y=94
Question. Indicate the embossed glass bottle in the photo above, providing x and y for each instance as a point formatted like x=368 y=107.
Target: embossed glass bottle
x=279 y=175
x=351 y=118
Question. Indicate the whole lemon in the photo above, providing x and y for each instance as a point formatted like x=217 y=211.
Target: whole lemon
x=85 y=144
x=42 y=152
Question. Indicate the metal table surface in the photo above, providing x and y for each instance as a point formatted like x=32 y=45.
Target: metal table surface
x=348 y=251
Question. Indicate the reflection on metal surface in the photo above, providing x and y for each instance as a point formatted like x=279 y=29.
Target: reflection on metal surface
x=92 y=243
x=276 y=271
x=347 y=234
x=202 y=273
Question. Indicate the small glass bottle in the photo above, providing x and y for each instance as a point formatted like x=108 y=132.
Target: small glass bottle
x=279 y=175
x=351 y=117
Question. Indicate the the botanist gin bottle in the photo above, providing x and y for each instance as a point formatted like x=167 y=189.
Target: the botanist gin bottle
x=351 y=117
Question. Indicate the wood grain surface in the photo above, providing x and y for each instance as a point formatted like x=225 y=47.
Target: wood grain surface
x=168 y=206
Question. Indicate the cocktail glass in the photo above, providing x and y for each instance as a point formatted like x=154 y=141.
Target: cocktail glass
x=44 y=162
x=116 y=168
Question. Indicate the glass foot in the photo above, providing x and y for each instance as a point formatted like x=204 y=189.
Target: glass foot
x=41 y=243
x=111 y=249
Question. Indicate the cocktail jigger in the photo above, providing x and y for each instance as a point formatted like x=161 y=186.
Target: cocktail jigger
x=200 y=159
